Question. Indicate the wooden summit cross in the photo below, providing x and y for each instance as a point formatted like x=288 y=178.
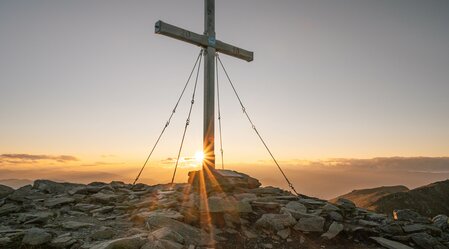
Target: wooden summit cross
x=211 y=46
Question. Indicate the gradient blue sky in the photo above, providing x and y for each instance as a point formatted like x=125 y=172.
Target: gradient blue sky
x=336 y=78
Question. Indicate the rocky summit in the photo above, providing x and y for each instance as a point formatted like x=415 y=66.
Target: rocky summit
x=122 y=216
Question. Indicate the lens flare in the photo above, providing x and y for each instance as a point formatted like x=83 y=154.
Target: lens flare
x=199 y=156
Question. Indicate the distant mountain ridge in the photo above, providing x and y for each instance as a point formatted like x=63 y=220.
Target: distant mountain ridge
x=428 y=200
x=15 y=183
x=366 y=197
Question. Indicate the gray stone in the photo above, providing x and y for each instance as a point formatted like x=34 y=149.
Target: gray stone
x=284 y=233
x=83 y=190
x=312 y=224
x=133 y=242
x=376 y=217
x=334 y=229
x=58 y=201
x=35 y=237
x=5 y=242
x=63 y=241
x=441 y=221
x=21 y=194
x=315 y=202
x=336 y=216
x=425 y=240
x=393 y=229
x=330 y=207
x=39 y=217
x=9 y=208
x=249 y=234
x=265 y=205
x=5 y=191
x=168 y=244
x=368 y=223
x=102 y=210
x=52 y=187
x=275 y=221
x=414 y=228
x=85 y=207
x=245 y=196
x=244 y=207
x=296 y=206
x=154 y=245
x=192 y=235
x=296 y=215
x=345 y=204
x=103 y=233
x=409 y=215
x=104 y=198
x=75 y=225
x=172 y=214
x=219 y=205
x=389 y=243
x=167 y=234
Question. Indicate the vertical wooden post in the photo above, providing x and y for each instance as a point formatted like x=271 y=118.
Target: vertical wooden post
x=209 y=86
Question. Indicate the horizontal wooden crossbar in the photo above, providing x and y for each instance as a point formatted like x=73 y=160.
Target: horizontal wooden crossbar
x=202 y=40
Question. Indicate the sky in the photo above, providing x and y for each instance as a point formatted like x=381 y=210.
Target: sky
x=330 y=79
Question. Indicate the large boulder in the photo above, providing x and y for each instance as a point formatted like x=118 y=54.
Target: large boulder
x=276 y=222
x=221 y=180
x=310 y=224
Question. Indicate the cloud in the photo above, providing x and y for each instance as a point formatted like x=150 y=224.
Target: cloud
x=184 y=162
x=408 y=164
x=27 y=158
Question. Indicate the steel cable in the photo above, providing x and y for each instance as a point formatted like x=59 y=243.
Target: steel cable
x=169 y=119
x=187 y=122
x=219 y=113
x=255 y=129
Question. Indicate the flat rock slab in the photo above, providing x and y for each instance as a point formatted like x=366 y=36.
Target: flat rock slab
x=390 y=244
x=9 y=208
x=168 y=234
x=312 y=224
x=104 y=197
x=312 y=201
x=266 y=205
x=276 y=221
x=74 y=225
x=35 y=237
x=133 y=242
x=334 y=229
x=63 y=241
x=296 y=206
x=53 y=202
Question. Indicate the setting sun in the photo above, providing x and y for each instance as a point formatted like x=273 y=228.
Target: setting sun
x=199 y=156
